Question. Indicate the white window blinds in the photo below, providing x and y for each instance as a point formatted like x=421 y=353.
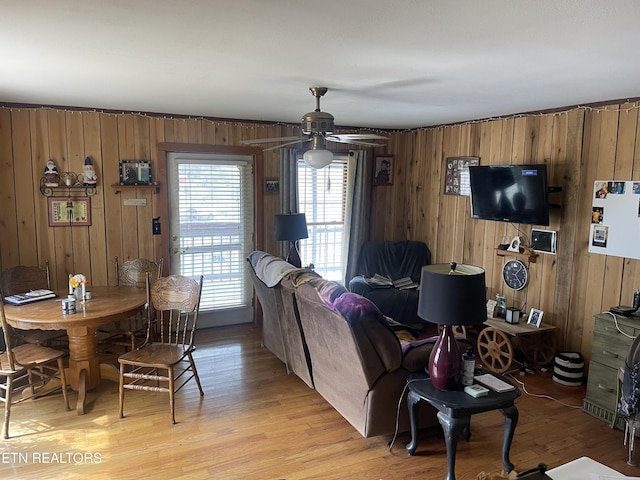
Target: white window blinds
x=215 y=204
x=322 y=198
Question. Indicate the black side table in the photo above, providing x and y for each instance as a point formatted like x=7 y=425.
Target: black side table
x=454 y=414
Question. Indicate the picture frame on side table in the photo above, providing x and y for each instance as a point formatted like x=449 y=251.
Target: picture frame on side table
x=135 y=172
x=69 y=212
x=383 y=170
x=535 y=317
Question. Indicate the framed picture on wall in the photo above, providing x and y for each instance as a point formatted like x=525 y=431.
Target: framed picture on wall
x=135 y=172
x=383 y=170
x=69 y=212
x=271 y=185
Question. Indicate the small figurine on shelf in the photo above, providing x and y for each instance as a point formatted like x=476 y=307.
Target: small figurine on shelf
x=89 y=173
x=51 y=176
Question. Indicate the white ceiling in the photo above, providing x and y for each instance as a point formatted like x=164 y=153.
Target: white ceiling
x=388 y=63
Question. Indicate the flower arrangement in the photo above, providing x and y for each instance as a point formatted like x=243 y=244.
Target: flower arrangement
x=77 y=280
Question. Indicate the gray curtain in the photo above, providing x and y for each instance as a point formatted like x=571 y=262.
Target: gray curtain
x=288 y=167
x=357 y=219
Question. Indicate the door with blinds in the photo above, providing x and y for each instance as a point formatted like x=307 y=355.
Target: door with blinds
x=211 y=231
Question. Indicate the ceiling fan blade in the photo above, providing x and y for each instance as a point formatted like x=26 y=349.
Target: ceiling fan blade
x=359 y=136
x=355 y=142
x=298 y=140
x=271 y=140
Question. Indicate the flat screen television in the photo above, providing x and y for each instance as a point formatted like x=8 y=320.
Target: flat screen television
x=510 y=193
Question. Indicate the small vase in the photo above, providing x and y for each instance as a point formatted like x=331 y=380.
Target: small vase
x=78 y=294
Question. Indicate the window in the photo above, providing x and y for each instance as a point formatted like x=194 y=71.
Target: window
x=322 y=198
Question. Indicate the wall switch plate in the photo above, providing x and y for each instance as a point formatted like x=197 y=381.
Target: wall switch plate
x=155 y=225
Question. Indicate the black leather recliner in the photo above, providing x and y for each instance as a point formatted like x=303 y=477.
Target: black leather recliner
x=394 y=260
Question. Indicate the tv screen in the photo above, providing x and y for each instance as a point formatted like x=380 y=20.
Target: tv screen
x=510 y=193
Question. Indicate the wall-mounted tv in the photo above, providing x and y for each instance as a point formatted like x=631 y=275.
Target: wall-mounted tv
x=510 y=193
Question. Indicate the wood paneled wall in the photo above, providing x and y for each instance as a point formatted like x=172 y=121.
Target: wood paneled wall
x=31 y=136
x=579 y=146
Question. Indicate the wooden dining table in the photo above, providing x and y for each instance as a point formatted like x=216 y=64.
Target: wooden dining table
x=107 y=304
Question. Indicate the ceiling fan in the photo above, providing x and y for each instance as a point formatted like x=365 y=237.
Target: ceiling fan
x=318 y=128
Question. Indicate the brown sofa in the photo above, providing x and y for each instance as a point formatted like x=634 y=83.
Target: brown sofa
x=339 y=343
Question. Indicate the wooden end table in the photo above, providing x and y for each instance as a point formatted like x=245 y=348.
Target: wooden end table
x=454 y=414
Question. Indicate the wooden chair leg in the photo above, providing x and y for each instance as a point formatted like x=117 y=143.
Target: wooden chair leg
x=7 y=408
x=195 y=374
x=172 y=395
x=121 y=391
x=63 y=382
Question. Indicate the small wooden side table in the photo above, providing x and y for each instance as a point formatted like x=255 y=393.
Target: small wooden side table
x=454 y=414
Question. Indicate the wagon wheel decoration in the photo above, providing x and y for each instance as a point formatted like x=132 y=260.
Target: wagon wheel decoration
x=495 y=349
x=539 y=349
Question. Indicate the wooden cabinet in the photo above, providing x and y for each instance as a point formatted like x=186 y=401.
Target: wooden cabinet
x=608 y=353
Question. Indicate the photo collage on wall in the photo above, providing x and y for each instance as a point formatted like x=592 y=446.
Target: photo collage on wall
x=457 y=175
x=615 y=218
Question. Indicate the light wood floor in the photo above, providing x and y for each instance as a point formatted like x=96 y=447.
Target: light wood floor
x=257 y=422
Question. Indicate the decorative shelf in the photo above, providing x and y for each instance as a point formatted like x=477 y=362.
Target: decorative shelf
x=72 y=187
x=123 y=188
x=530 y=257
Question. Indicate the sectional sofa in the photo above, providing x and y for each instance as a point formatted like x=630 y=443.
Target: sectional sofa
x=340 y=344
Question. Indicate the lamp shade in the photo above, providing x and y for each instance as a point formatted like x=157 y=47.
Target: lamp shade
x=452 y=294
x=291 y=227
x=318 y=158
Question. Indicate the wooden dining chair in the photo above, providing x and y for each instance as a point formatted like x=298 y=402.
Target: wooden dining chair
x=21 y=279
x=25 y=370
x=167 y=364
x=126 y=334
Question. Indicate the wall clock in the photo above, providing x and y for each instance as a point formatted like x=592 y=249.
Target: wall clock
x=515 y=274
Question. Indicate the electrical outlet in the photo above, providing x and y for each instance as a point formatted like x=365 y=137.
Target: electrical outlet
x=156 y=226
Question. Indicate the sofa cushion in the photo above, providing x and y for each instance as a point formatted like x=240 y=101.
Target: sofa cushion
x=365 y=320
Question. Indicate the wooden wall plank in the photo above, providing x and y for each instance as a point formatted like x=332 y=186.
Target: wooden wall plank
x=9 y=248
x=80 y=247
x=112 y=202
x=97 y=234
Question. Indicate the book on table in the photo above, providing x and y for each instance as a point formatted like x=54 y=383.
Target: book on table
x=29 y=297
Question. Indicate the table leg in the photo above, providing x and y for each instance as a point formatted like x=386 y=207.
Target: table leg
x=510 y=421
x=84 y=366
x=412 y=404
x=452 y=428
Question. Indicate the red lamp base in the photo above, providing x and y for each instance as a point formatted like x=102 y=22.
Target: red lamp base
x=445 y=361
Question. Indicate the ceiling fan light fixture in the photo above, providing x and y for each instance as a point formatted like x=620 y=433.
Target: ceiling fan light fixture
x=318 y=158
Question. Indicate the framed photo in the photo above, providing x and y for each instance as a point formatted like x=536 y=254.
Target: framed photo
x=535 y=317
x=135 y=172
x=271 y=185
x=383 y=170
x=457 y=175
x=69 y=212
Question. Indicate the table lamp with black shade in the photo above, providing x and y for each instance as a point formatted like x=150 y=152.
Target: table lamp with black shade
x=450 y=294
x=291 y=227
